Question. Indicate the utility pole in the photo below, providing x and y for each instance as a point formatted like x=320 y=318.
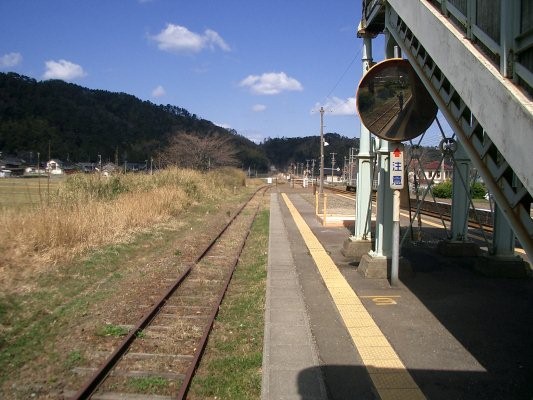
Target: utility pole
x=344 y=170
x=332 y=165
x=321 y=187
x=313 y=173
x=49 y=171
x=39 y=175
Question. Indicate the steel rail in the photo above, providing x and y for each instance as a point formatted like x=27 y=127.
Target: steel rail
x=184 y=388
x=94 y=382
x=472 y=223
x=100 y=375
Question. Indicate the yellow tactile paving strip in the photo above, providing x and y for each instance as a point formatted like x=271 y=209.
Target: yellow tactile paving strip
x=389 y=376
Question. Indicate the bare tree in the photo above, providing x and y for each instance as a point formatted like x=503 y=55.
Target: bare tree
x=199 y=152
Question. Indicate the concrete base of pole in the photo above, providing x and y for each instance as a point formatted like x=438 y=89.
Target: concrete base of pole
x=503 y=267
x=354 y=249
x=379 y=267
x=453 y=248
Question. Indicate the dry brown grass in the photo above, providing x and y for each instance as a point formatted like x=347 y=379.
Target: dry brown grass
x=91 y=211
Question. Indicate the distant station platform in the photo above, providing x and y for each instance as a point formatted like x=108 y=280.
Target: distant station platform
x=445 y=332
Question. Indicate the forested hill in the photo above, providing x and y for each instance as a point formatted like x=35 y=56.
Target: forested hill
x=283 y=152
x=77 y=123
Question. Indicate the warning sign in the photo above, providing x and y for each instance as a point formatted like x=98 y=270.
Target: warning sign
x=396 y=167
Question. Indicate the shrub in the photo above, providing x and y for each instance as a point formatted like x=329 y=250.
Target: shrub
x=93 y=186
x=478 y=190
x=443 y=190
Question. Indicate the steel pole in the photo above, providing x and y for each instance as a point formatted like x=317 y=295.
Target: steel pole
x=321 y=188
x=395 y=262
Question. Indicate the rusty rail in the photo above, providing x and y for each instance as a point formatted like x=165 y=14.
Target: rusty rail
x=100 y=375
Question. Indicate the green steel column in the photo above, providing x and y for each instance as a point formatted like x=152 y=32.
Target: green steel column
x=384 y=209
x=461 y=196
x=503 y=237
x=384 y=214
x=364 y=176
x=509 y=30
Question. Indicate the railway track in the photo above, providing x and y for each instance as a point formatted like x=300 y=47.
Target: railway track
x=480 y=221
x=472 y=223
x=167 y=343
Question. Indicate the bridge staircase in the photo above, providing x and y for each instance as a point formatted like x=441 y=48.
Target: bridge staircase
x=476 y=60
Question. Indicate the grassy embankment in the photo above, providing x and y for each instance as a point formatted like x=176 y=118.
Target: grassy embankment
x=91 y=228
x=89 y=211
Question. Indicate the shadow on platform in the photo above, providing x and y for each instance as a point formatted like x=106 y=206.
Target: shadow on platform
x=353 y=382
x=492 y=318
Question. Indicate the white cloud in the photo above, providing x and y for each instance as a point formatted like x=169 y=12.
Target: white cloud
x=178 y=39
x=336 y=106
x=271 y=83
x=64 y=70
x=10 y=60
x=159 y=91
x=258 y=107
x=213 y=39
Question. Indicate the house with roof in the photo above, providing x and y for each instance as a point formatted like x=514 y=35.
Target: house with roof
x=421 y=175
x=438 y=172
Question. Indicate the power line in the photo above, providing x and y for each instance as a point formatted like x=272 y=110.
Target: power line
x=357 y=54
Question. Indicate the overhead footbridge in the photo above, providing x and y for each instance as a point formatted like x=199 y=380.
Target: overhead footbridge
x=476 y=60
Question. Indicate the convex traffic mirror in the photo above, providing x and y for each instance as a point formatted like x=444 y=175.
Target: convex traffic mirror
x=393 y=103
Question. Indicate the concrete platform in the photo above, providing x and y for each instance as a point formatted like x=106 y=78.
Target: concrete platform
x=335 y=220
x=457 y=333
x=289 y=347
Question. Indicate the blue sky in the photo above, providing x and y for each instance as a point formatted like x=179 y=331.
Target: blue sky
x=262 y=68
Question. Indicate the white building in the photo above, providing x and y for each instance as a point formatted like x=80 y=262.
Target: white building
x=54 y=167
